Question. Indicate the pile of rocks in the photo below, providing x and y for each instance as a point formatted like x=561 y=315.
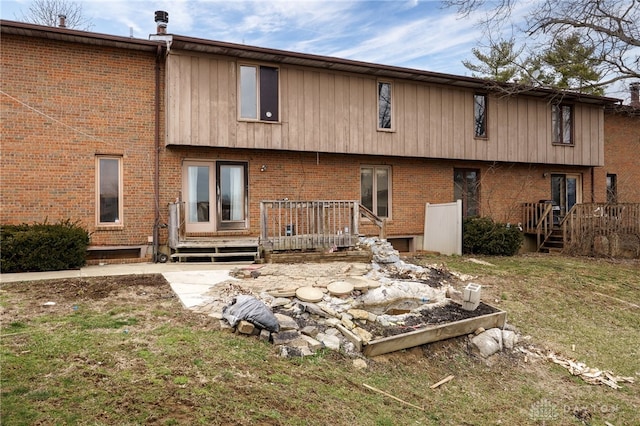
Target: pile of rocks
x=330 y=305
x=488 y=342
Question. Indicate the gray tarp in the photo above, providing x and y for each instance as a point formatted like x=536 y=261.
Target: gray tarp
x=250 y=309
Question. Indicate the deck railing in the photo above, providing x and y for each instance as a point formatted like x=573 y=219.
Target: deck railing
x=538 y=218
x=584 y=222
x=312 y=225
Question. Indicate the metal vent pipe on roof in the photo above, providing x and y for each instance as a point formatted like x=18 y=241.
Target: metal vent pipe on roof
x=162 y=19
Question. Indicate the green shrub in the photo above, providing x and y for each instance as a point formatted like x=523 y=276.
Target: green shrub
x=43 y=247
x=481 y=235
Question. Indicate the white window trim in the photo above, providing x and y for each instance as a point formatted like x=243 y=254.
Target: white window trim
x=120 y=222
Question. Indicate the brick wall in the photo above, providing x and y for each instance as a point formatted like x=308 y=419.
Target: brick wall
x=309 y=176
x=63 y=104
x=66 y=103
x=621 y=156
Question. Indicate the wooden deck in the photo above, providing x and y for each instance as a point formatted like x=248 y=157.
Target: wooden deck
x=324 y=226
x=312 y=225
x=579 y=228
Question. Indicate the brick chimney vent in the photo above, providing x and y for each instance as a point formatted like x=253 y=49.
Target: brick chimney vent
x=62 y=21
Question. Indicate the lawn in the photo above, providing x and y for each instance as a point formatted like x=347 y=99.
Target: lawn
x=122 y=350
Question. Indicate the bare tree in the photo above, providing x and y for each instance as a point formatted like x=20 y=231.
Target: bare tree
x=611 y=28
x=47 y=12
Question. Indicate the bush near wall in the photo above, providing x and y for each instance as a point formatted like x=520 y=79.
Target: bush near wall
x=43 y=247
x=481 y=235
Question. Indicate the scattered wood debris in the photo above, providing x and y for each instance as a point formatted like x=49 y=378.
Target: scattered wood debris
x=391 y=396
x=442 y=382
x=590 y=375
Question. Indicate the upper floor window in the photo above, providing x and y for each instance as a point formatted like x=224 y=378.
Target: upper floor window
x=109 y=190
x=562 y=121
x=259 y=93
x=384 y=105
x=375 y=186
x=480 y=115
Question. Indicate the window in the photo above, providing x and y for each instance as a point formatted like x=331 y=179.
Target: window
x=480 y=115
x=562 y=121
x=612 y=188
x=375 y=183
x=109 y=191
x=384 y=105
x=259 y=93
x=466 y=187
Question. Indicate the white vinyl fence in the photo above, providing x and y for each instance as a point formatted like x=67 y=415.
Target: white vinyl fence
x=443 y=228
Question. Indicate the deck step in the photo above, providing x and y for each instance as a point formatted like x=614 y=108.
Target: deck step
x=213 y=257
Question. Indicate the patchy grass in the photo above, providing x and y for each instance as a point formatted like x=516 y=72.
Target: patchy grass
x=122 y=350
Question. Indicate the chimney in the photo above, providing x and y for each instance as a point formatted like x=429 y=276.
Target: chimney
x=635 y=94
x=62 y=21
x=162 y=19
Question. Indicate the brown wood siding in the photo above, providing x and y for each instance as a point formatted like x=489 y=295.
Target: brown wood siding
x=327 y=111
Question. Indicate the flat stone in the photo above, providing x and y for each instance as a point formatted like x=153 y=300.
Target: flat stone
x=332 y=331
x=359 y=314
x=309 y=294
x=332 y=321
x=280 y=301
x=225 y=326
x=331 y=342
x=359 y=364
x=347 y=322
x=359 y=283
x=314 y=309
x=285 y=337
x=265 y=335
x=328 y=310
x=283 y=292
x=286 y=322
x=314 y=344
x=310 y=330
x=363 y=334
x=294 y=351
x=340 y=288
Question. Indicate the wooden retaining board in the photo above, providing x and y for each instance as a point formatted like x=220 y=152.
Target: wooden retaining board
x=435 y=334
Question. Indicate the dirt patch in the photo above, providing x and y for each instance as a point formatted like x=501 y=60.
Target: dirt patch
x=37 y=298
x=427 y=318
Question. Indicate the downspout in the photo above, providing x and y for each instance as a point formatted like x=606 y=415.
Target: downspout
x=156 y=178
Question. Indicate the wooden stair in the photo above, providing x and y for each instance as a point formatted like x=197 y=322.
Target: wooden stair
x=227 y=251
x=554 y=243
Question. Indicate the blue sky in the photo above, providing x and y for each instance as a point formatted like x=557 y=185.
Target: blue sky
x=408 y=33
